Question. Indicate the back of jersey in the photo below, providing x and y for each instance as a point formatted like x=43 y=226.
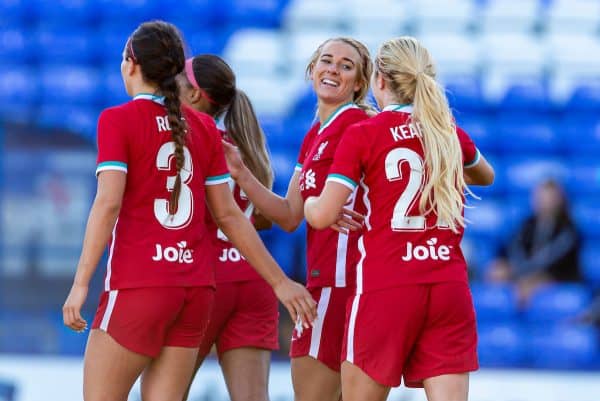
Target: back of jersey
x=150 y=247
x=400 y=245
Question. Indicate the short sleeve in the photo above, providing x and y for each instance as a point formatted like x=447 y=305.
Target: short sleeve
x=347 y=162
x=112 y=143
x=217 y=172
x=471 y=155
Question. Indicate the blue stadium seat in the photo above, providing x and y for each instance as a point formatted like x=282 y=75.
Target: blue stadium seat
x=478 y=255
x=282 y=247
x=526 y=134
x=113 y=87
x=206 y=41
x=15 y=46
x=583 y=177
x=70 y=84
x=283 y=164
x=275 y=134
x=255 y=13
x=65 y=45
x=581 y=134
x=479 y=129
x=558 y=303
x=586 y=212
x=205 y=13
x=485 y=219
x=525 y=172
x=563 y=347
x=590 y=264
x=531 y=96
x=18 y=85
x=133 y=12
x=14 y=12
x=501 y=345
x=80 y=119
x=494 y=302
x=585 y=98
x=111 y=40
x=72 y=13
x=464 y=94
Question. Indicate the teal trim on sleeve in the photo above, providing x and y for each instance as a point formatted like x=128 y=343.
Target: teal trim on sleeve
x=475 y=161
x=342 y=179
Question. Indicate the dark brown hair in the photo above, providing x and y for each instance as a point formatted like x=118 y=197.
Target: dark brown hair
x=157 y=47
x=216 y=78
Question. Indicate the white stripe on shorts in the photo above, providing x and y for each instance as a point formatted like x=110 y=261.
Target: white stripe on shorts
x=317 y=329
x=351 y=326
x=112 y=298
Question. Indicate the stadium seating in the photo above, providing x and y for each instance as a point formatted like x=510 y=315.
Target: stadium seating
x=522 y=78
x=502 y=345
x=558 y=303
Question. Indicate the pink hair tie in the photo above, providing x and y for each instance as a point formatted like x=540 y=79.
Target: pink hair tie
x=189 y=73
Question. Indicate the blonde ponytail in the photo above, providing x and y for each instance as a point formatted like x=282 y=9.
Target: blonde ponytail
x=408 y=67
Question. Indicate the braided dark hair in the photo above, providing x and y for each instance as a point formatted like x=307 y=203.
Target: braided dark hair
x=157 y=47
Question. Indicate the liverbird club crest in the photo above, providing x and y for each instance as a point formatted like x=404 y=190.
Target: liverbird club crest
x=322 y=147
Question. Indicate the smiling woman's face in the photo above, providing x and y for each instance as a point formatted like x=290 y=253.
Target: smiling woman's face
x=335 y=73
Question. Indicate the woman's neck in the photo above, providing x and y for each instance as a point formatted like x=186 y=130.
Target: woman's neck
x=326 y=110
x=143 y=87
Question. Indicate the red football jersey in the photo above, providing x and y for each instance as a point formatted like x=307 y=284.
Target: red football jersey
x=148 y=246
x=331 y=257
x=230 y=265
x=399 y=246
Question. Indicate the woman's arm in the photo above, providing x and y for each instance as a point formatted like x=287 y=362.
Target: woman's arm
x=242 y=234
x=326 y=209
x=101 y=221
x=285 y=212
x=480 y=174
x=261 y=222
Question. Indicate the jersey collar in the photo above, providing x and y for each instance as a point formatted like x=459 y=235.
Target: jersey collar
x=335 y=115
x=149 y=96
x=403 y=108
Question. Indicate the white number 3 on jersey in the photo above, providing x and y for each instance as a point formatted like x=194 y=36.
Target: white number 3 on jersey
x=185 y=209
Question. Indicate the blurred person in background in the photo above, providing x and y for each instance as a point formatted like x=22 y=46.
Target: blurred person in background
x=158 y=163
x=339 y=69
x=545 y=249
x=244 y=321
x=410 y=159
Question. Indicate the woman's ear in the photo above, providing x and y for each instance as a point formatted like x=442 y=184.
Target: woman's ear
x=380 y=82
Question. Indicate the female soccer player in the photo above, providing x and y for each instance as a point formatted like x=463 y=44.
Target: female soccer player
x=157 y=164
x=412 y=314
x=244 y=321
x=340 y=69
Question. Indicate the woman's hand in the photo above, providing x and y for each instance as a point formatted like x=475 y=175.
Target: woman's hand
x=348 y=220
x=235 y=164
x=297 y=300
x=72 y=308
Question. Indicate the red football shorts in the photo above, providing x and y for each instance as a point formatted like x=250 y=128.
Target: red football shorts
x=245 y=314
x=144 y=320
x=323 y=341
x=414 y=331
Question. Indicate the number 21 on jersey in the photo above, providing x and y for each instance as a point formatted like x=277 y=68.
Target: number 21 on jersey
x=393 y=161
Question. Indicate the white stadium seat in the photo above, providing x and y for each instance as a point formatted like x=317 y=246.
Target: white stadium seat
x=508 y=59
x=510 y=15
x=444 y=16
x=569 y=16
x=255 y=51
x=311 y=15
x=454 y=54
x=574 y=59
